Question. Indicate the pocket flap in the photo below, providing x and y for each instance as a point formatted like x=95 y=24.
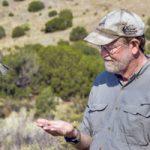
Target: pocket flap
x=130 y=109
x=142 y=109
x=97 y=107
x=145 y=110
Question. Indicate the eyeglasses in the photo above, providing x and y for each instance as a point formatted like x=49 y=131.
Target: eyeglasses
x=111 y=50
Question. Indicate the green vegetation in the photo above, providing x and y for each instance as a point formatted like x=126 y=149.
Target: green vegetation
x=78 y=33
x=51 y=82
x=66 y=13
x=44 y=102
x=148 y=48
x=60 y=23
x=64 y=71
x=20 y=30
x=2 y=32
x=36 y=6
x=10 y=14
x=5 y=3
x=148 y=33
x=148 y=21
x=52 y=13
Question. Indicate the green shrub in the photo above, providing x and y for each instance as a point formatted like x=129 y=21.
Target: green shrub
x=52 y=13
x=66 y=13
x=63 y=42
x=67 y=16
x=5 y=3
x=60 y=23
x=24 y=66
x=45 y=102
x=10 y=14
x=147 y=33
x=2 y=32
x=25 y=27
x=53 y=25
x=20 y=30
x=35 y=6
x=78 y=33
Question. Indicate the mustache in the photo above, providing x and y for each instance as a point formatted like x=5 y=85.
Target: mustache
x=108 y=59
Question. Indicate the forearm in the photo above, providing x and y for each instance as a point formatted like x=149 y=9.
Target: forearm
x=80 y=140
x=84 y=143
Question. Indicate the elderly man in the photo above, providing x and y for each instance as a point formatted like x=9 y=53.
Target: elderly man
x=117 y=116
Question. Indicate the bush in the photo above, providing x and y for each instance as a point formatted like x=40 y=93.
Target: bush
x=18 y=0
x=10 y=14
x=25 y=27
x=60 y=23
x=45 y=103
x=35 y=6
x=5 y=3
x=2 y=32
x=63 y=42
x=24 y=65
x=18 y=32
x=147 y=33
x=66 y=14
x=52 y=13
x=54 y=25
x=78 y=33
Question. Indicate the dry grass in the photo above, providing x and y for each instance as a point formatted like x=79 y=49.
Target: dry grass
x=19 y=132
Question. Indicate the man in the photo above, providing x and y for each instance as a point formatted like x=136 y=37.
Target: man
x=117 y=116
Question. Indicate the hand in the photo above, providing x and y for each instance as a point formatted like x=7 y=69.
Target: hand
x=56 y=128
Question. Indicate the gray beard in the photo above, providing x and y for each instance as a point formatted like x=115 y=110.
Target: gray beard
x=118 y=66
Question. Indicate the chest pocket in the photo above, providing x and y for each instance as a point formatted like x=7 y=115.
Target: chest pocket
x=143 y=110
x=135 y=123
x=97 y=113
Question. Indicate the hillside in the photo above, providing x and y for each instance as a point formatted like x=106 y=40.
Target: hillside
x=86 y=13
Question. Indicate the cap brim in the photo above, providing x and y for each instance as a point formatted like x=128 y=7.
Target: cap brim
x=100 y=38
x=3 y=69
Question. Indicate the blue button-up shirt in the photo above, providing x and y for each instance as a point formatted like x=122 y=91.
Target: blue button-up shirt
x=118 y=116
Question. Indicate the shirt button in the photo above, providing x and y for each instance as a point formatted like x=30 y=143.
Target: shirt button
x=109 y=128
x=116 y=108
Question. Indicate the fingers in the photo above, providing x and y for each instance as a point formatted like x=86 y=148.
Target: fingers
x=48 y=126
x=55 y=128
x=43 y=122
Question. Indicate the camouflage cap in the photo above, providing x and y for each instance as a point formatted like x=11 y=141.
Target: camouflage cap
x=116 y=24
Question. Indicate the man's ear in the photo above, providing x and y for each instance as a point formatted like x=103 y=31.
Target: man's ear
x=134 y=46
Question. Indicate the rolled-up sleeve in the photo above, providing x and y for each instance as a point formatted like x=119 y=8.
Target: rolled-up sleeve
x=85 y=126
